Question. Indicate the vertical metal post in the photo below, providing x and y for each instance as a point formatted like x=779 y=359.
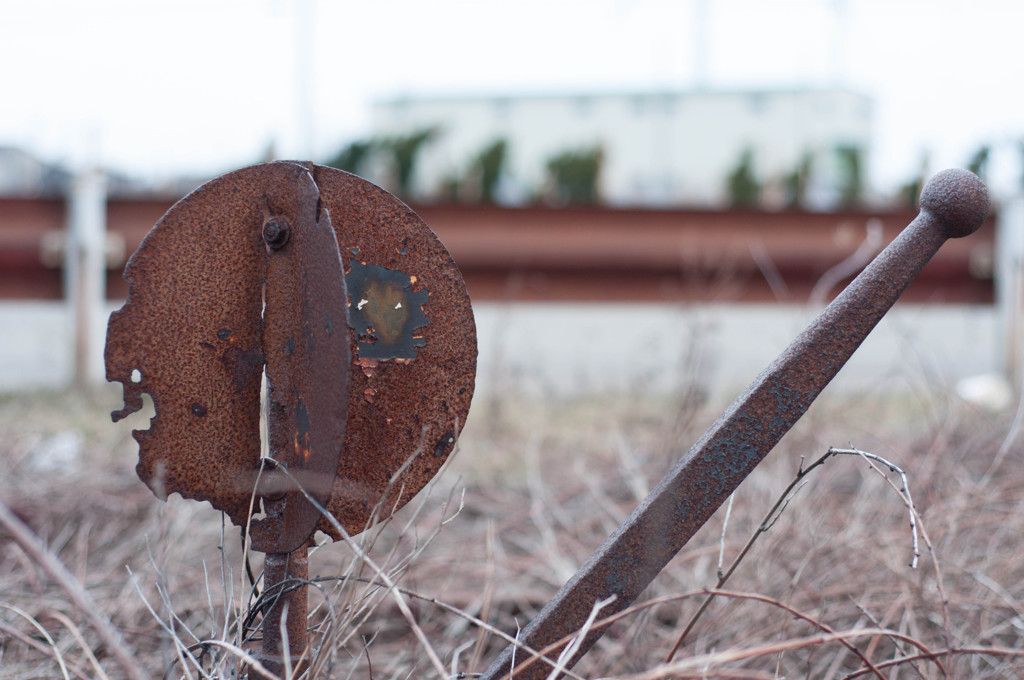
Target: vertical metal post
x=1010 y=288
x=284 y=584
x=85 y=273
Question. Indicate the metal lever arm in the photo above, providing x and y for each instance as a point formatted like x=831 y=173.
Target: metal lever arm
x=954 y=203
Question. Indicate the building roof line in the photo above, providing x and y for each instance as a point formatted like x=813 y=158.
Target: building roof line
x=553 y=94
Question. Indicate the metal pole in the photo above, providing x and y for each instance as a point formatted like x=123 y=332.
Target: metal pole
x=284 y=584
x=1010 y=287
x=954 y=204
x=85 y=274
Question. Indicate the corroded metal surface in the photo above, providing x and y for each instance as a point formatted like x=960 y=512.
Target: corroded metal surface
x=413 y=375
x=243 y=279
x=192 y=336
x=306 y=343
x=953 y=204
x=285 y=577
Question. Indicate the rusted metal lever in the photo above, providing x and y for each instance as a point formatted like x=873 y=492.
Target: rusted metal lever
x=954 y=203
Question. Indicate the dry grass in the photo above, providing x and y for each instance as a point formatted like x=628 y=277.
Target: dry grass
x=540 y=485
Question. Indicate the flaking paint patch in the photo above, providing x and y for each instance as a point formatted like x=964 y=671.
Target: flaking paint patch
x=385 y=312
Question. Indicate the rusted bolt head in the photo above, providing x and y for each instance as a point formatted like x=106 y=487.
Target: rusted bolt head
x=276 y=232
x=958 y=199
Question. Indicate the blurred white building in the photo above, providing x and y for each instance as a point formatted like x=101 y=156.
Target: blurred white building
x=659 y=147
x=22 y=174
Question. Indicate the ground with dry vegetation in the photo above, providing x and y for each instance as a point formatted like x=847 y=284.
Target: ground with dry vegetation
x=825 y=592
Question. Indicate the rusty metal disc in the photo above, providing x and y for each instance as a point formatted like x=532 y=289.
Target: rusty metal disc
x=413 y=373
x=192 y=336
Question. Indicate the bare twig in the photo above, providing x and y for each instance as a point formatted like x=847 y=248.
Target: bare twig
x=487 y=598
x=46 y=635
x=542 y=654
x=570 y=649
x=77 y=634
x=903 y=490
x=456 y=655
x=725 y=525
x=776 y=511
x=182 y=651
x=702 y=662
x=35 y=548
x=1012 y=434
x=914 y=525
x=73 y=667
x=938 y=653
x=383 y=576
x=766 y=523
x=771 y=273
x=871 y=244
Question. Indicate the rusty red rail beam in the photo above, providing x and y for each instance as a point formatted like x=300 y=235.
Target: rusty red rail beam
x=953 y=204
x=585 y=253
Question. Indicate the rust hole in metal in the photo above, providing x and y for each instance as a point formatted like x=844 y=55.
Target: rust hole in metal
x=140 y=420
x=385 y=312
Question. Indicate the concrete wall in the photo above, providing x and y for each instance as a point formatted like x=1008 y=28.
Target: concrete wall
x=569 y=349
x=548 y=349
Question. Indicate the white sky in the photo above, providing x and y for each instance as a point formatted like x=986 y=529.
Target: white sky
x=203 y=86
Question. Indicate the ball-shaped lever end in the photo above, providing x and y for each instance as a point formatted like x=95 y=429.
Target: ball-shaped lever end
x=958 y=199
